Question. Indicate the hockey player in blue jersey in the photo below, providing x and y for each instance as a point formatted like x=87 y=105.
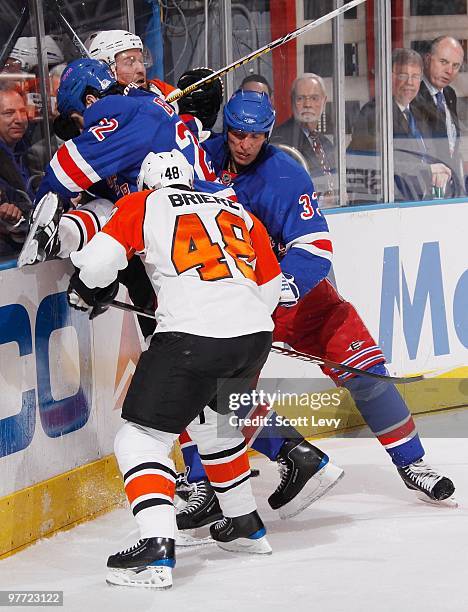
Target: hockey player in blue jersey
x=117 y=132
x=311 y=316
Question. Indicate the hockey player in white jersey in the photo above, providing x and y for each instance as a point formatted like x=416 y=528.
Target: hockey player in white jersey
x=217 y=282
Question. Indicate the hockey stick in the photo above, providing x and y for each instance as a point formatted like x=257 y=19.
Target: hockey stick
x=296 y=354
x=17 y=30
x=178 y=93
x=321 y=361
x=76 y=41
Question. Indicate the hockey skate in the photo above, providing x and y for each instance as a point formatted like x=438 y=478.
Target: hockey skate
x=306 y=475
x=202 y=507
x=245 y=534
x=42 y=240
x=183 y=487
x=430 y=486
x=148 y=563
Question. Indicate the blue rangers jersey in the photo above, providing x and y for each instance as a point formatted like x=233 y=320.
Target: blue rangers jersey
x=119 y=131
x=281 y=194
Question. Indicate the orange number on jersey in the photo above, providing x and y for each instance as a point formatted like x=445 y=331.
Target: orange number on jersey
x=237 y=242
x=192 y=248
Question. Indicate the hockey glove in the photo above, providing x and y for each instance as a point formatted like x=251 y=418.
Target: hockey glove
x=203 y=103
x=289 y=295
x=94 y=301
x=65 y=128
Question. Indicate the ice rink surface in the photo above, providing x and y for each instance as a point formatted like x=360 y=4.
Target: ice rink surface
x=368 y=545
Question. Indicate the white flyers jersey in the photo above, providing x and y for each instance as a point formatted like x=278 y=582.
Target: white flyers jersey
x=210 y=261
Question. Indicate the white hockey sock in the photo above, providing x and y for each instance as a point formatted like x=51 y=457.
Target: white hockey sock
x=149 y=477
x=223 y=453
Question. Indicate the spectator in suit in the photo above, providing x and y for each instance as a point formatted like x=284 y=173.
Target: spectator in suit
x=437 y=102
x=414 y=173
x=308 y=99
x=15 y=191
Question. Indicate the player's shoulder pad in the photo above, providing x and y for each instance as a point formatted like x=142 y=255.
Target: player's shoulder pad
x=280 y=170
x=123 y=108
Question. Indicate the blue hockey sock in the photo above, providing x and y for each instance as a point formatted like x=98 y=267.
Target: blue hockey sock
x=271 y=438
x=387 y=415
x=196 y=471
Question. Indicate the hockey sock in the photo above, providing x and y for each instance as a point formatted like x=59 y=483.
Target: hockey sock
x=194 y=468
x=223 y=453
x=149 y=478
x=387 y=415
x=262 y=432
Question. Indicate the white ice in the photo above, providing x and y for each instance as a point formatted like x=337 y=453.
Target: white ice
x=368 y=545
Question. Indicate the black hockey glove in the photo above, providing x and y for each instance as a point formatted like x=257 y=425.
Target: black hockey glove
x=94 y=301
x=65 y=128
x=203 y=103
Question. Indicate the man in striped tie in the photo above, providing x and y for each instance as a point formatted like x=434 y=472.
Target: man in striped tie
x=416 y=171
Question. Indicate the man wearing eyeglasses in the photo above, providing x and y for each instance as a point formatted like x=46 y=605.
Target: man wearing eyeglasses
x=301 y=131
x=437 y=102
x=418 y=175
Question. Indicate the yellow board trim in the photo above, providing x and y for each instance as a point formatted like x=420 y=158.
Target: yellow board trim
x=62 y=502
x=59 y=503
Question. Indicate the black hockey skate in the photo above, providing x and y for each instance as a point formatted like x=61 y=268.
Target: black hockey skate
x=430 y=485
x=202 y=507
x=306 y=475
x=148 y=563
x=244 y=533
x=183 y=487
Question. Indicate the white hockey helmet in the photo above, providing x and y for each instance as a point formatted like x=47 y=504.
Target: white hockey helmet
x=25 y=51
x=160 y=170
x=106 y=44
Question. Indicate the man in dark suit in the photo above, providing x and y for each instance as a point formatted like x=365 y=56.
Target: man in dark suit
x=437 y=103
x=308 y=99
x=415 y=172
x=15 y=186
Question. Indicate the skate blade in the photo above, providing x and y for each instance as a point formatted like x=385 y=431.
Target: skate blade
x=152 y=577
x=450 y=502
x=46 y=210
x=185 y=539
x=261 y=546
x=319 y=484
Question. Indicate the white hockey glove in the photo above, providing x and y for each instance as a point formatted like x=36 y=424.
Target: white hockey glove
x=77 y=302
x=289 y=295
x=93 y=301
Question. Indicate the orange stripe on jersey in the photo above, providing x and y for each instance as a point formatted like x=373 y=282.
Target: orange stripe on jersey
x=224 y=472
x=164 y=88
x=267 y=266
x=126 y=224
x=88 y=221
x=148 y=484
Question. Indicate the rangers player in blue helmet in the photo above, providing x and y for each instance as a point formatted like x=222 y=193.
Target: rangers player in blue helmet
x=311 y=317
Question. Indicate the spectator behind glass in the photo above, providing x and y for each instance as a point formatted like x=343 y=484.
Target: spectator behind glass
x=414 y=173
x=437 y=102
x=308 y=99
x=16 y=196
x=257 y=82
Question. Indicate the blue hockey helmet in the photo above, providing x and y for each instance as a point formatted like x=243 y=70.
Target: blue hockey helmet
x=249 y=111
x=77 y=77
